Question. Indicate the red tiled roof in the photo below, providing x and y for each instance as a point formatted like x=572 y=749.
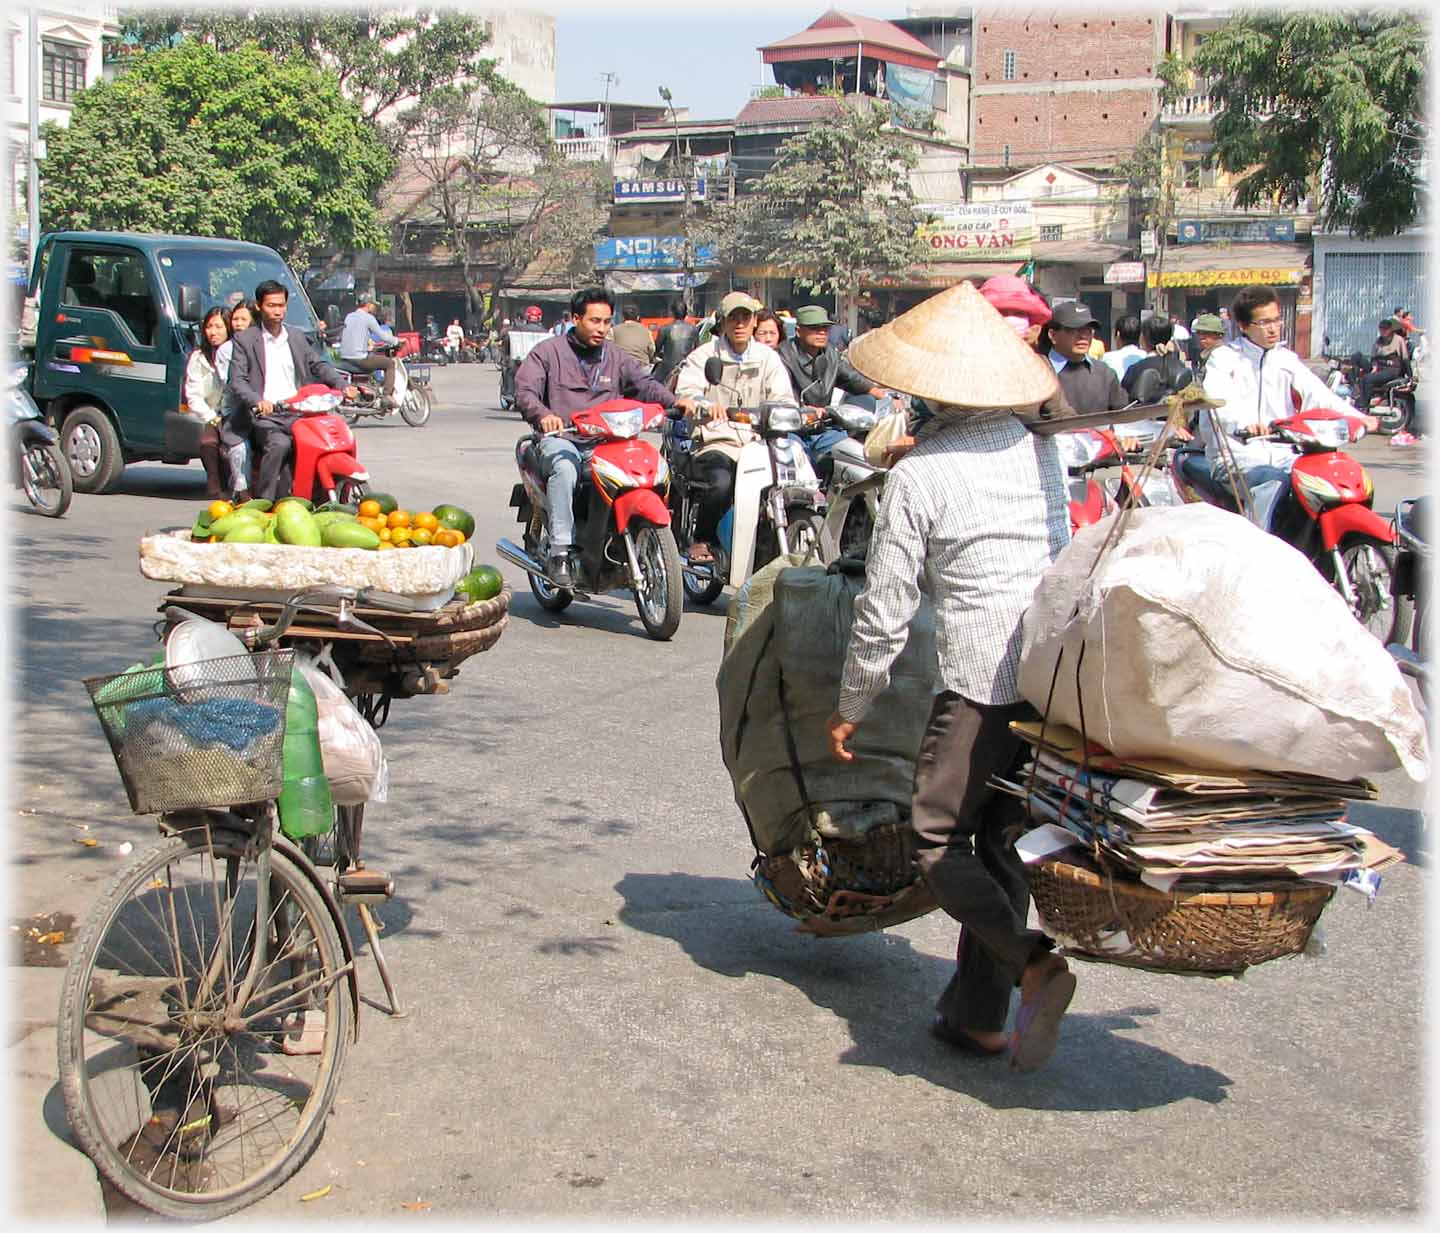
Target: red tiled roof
x=835 y=30
x=795 y=110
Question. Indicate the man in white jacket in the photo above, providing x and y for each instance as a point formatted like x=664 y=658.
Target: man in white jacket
x=1261 y=380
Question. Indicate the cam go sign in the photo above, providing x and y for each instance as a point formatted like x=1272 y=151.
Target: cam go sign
x=995 y=231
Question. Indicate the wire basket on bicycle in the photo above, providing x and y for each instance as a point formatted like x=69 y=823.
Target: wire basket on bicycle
x=203 y=735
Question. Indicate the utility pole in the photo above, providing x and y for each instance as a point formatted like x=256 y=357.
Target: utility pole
x=610 y=79
x=688 y=278
x=32 y=167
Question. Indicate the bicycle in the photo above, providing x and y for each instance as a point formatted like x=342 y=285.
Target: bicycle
x=208 y=1008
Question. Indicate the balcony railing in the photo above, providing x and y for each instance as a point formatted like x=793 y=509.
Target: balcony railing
x=586 y=149
x=1190 y=107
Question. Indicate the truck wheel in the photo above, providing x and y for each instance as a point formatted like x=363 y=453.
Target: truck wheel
x=92 y=448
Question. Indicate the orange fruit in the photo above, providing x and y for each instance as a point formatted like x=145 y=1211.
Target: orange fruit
x=399 y=536
x=445 y=538
x=218 y=510
x=384 y=534
x=368 y=509
x=398 y=518
x=421 y=536
x=384 y=543
x=426 y=522
x=214 y=539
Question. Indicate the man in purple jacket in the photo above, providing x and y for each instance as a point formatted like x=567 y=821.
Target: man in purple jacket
x=566 y=374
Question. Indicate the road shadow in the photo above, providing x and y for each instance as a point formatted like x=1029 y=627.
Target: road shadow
x=1400 y=828
x=725 y=927
x=172 y=483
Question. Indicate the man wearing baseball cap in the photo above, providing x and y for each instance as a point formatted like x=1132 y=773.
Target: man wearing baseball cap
x=1209 y=333
x=1065 y=341
x=753 y=375
x=815 y=368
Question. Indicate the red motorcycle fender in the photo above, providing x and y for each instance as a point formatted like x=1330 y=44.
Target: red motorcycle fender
x=1343 y=520
x=640 y=503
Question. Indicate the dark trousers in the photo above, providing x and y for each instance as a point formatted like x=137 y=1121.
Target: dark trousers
x=717 y=472
x=967 y=859
x=273 y=440
x=378 y=363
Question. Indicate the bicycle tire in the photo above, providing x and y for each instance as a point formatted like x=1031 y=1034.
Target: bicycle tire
x=186 y=1140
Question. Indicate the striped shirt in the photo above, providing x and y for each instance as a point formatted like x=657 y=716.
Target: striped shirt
x=973 y=515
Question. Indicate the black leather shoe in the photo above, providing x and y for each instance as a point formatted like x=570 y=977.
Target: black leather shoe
x=559 y=571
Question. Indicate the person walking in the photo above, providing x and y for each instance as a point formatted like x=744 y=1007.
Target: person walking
x=633 y=337
x=973 y=516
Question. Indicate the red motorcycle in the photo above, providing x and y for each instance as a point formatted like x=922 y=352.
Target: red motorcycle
x=324 y=461
x=623 y=537
x=1088 y=450
x=1327 y=513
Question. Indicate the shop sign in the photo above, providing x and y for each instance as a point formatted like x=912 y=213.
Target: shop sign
x=649 y=252
x=658 y=190
x=1205 y=231
x=992 y=231
x=1147 y=242
x=1125 y=272
x=1225 y=278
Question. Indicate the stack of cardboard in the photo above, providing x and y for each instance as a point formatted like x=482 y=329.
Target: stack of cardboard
x=1165 y=821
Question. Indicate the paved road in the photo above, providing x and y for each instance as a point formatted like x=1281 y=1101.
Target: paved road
x=607 y=1020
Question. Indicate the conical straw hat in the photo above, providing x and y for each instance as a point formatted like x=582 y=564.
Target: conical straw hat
x=957 y=350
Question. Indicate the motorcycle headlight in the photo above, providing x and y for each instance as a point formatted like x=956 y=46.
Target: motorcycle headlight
x=1330 y=432
x=781 y=417
x=624 y=424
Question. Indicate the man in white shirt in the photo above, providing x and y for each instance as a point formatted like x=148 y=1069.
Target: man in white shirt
x=1258 y=379
x=268 y=364
x=1127 y=349
x=754 y=374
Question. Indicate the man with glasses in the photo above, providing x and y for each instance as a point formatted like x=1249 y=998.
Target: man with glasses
x=1260 y=380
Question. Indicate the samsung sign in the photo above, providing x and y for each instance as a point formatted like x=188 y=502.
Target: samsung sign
x=648 y=252
x=658 y=190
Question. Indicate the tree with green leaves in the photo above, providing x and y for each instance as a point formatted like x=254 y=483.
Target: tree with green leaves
x=836 y=207
x=231 y=144
x=385 y=59
x=498 y=188
x=1334 y=96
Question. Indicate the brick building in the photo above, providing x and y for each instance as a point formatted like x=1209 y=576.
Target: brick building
x=1079 y=89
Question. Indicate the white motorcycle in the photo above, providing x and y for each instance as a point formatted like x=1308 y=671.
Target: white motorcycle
x=777 y=505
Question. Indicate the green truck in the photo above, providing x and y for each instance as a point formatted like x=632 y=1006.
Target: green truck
x=108 y=323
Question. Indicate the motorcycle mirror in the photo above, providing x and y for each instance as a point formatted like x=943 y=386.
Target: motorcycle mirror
x=714 y=370
x=190 y=306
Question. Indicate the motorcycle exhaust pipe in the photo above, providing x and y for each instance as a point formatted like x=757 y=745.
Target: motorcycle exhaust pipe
x=516 y=555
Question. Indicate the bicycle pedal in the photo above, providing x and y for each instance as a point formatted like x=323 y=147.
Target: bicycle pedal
x=370 y=883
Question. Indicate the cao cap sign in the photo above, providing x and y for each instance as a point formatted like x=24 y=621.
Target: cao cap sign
x=1125 y=272
x=994 y=231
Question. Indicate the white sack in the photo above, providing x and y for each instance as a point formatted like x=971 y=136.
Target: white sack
x=1213 y=643
x=349 y=747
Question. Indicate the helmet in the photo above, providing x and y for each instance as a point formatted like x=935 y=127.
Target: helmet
x=533 y=313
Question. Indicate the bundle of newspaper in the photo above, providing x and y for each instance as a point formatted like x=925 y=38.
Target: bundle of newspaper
x=1165 y=821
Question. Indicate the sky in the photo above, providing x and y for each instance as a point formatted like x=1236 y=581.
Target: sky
x=705 y=54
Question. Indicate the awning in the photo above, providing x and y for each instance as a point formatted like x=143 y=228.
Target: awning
x=1232 y=265
x=623 y=282
x=1069 y=252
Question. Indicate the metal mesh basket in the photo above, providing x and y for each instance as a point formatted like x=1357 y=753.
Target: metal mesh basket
x=206 y=734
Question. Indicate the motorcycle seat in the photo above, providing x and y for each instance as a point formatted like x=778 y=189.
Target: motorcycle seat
x=1399 y=383
x=351 y=366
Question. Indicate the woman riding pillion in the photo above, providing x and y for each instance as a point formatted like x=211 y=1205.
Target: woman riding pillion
x=565 y=374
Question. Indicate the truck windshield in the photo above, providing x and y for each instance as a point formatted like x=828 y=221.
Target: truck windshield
x=227 y=277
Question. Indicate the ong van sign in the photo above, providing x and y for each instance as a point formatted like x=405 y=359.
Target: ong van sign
x=992 y=231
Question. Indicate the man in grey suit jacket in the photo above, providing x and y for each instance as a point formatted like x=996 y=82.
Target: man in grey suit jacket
x=268 y=364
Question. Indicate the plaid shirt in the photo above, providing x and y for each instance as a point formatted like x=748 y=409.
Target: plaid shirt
x=974 y=515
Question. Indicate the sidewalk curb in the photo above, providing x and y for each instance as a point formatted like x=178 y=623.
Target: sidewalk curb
x=54 y=1181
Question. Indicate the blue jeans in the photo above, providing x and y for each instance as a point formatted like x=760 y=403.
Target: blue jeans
x=561 y=462
x=819 y=442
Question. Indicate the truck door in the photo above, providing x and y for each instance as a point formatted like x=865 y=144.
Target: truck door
x=104 y=336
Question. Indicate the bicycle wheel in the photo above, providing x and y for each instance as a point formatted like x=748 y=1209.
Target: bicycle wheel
x=194 y=1103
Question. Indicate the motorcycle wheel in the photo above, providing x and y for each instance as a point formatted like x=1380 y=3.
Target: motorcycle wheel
x=802 y=531
x=45 y=477
x=660 y=598
x=547 y=594
x=703 y=592
x=855 y=534
x=1394 y=416
x=416 y=408
x=1369 y=567
x=350 y=491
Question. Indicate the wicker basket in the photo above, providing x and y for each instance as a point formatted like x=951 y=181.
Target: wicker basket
x=1195 y=930
x=844 y=886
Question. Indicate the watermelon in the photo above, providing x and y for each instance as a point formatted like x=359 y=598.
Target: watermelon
x=482 y=582
x=455 y=518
